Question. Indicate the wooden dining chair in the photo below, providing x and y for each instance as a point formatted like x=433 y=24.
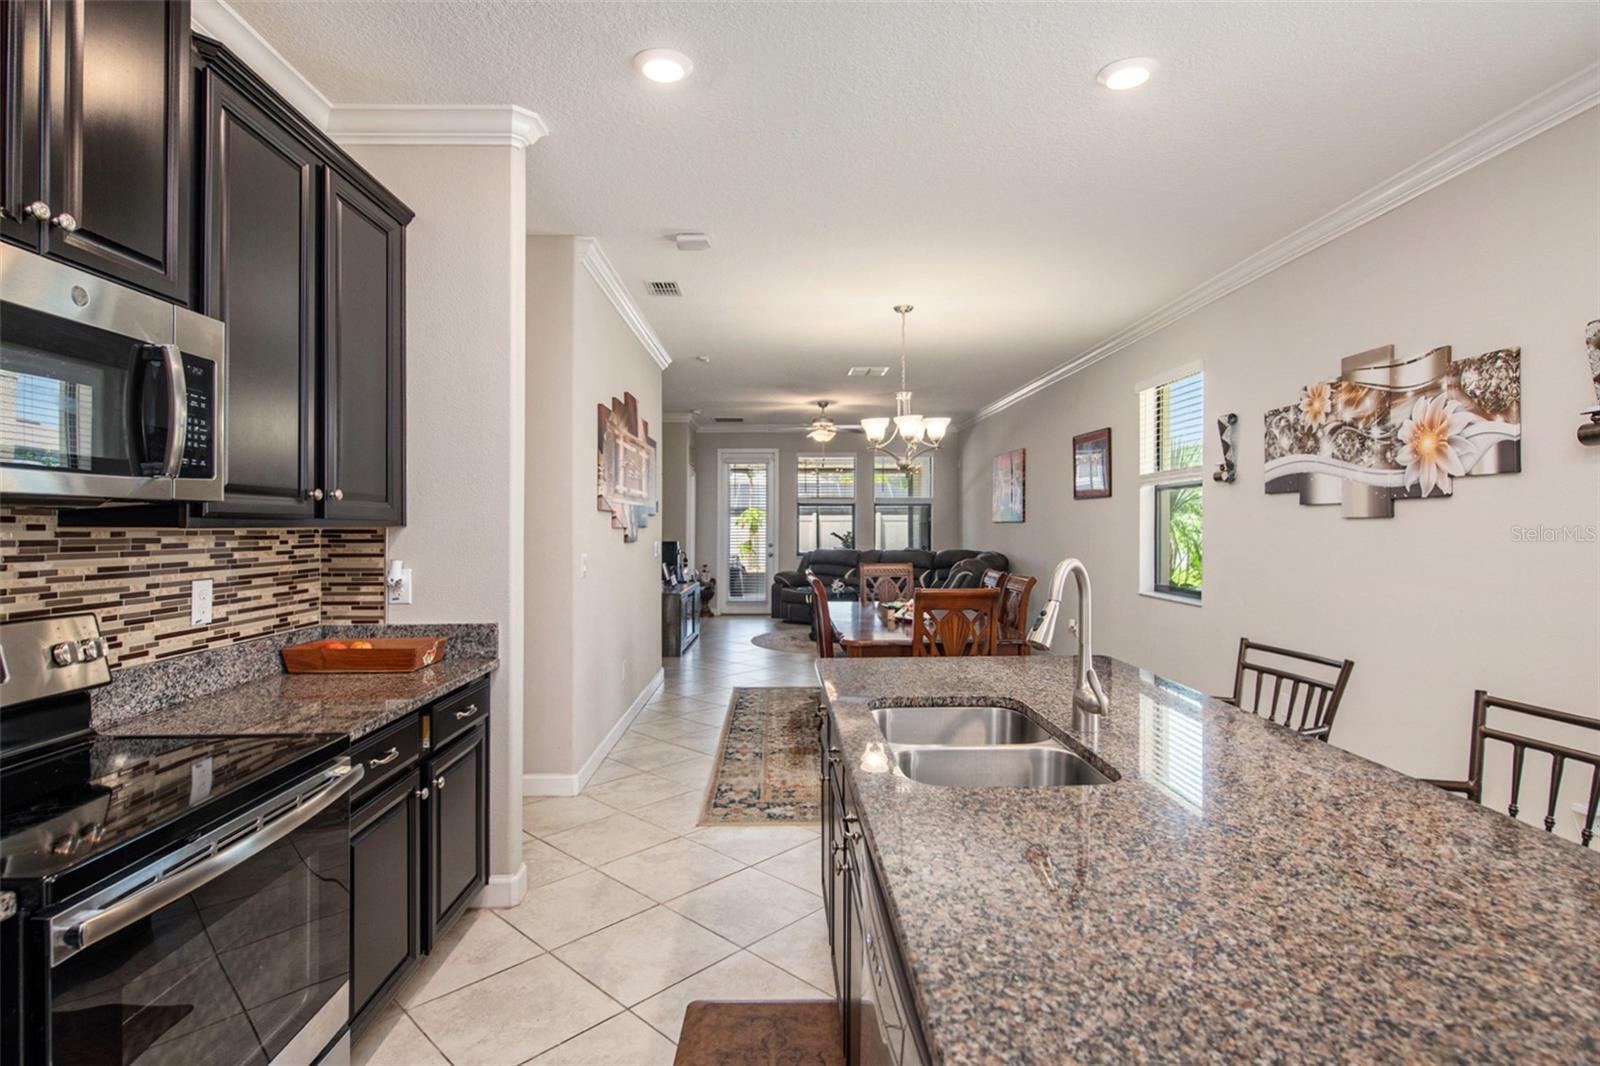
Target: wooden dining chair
x=956 y=622
x=993 y=579
x=1520 y=745
x=1311 y=715
x=821 y=622
x=885 y=582
x=1015 y=590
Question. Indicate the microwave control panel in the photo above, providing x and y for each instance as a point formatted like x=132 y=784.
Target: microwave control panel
x=199 y=446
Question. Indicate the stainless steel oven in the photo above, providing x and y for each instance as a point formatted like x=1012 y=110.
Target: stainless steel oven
x=106 y=393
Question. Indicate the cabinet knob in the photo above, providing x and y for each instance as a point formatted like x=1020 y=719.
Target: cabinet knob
x=338 y=494
x=65 y=221
x=316 y=494
x=438 y=783
x=422 y=793
x=38 y=209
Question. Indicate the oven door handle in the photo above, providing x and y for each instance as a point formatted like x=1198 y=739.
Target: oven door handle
x=122 y=904
x=177 y=407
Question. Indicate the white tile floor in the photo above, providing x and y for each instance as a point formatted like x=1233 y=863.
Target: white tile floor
x=632 y=909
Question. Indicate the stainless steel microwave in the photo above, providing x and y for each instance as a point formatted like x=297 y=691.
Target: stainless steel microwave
x=106 y=393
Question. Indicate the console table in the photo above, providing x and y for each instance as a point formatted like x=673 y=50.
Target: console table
x=680 y=618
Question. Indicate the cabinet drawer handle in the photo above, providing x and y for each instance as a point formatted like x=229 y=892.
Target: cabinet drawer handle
x=422 y=793
x=438 y=783
x=65 y=221
x=472 y=709
x=386 y=759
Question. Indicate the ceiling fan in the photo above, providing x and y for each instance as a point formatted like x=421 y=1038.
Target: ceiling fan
x=823 y=428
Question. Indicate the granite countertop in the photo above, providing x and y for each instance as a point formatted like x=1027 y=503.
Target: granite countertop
x=1240 y=893
x=355 y=704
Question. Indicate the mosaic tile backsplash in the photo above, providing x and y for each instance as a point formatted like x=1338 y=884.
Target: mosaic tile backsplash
x=137 y=580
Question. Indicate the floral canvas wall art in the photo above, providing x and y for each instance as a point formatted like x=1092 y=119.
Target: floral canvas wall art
x=1010 y=486
x=1387 y=429
x=627 y=466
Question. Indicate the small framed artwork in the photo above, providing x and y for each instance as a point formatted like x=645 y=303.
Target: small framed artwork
x=1009 y=488
x=1091 y=465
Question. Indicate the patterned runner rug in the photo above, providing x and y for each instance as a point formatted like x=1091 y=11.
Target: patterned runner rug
x=767 y=773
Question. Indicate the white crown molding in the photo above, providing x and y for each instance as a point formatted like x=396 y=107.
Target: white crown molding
x=1529 y=119
x=217 y=20
x=680 y=418
x=462 y=124
x=767 y=427
x=594 y=260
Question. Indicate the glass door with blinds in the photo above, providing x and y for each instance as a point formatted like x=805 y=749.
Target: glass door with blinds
x=747 y=530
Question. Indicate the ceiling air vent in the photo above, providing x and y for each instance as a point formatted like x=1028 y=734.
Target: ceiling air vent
x=727 y=418
x=867 y=372
x=664 y=288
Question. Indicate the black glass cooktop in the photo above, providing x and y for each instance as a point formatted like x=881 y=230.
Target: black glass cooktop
x=74 y=814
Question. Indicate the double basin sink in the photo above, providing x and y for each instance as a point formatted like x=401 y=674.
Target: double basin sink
x=980 y=747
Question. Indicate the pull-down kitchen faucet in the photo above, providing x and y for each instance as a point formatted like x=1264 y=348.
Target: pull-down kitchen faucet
x=1088 y=696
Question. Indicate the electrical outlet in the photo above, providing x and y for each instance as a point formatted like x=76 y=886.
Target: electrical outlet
x=583 y=565
x=402 y=594
x=199 y=780
x=655 y=548
x=200 y=602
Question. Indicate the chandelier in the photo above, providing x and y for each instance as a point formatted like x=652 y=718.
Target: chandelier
x=823 y=428
x=916 y=433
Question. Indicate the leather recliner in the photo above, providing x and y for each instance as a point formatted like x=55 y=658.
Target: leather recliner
x=951 y=568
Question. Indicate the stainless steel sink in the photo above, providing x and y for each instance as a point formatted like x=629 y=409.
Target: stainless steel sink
x=997 y=767
x=957 y=726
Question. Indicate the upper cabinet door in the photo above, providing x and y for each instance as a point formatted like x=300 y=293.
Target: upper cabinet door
x=260 y=278
x=21 y=73
x=118 y=139
x=364 y=354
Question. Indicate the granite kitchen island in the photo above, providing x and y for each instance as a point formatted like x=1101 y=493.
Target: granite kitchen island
x=1235 y=892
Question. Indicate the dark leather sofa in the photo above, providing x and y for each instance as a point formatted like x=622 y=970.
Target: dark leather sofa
x=951 y=568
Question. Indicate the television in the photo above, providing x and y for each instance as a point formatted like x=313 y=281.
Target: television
x=672 y=560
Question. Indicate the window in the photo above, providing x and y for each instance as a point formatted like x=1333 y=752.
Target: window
x=826 y=490
x=1171 y=499
x=903 y=504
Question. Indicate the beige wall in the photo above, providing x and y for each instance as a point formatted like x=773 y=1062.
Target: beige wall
x=1431 y=604
x=593 y=642
x=790 y=446
x=677 y=459
x=464 y=395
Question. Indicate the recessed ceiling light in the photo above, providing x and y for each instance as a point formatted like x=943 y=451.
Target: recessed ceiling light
x=1127 y=73
x=663 y=64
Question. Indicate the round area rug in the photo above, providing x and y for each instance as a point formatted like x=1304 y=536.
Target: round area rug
x=795 y=639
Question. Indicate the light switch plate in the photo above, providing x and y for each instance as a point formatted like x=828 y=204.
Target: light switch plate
x=583 y=565
x=200 y=602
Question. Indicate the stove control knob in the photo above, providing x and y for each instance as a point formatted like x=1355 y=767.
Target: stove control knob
x=65 y=653
x=90 y=650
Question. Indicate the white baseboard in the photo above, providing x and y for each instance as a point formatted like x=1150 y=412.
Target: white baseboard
x=504 y=890
x=572 y=784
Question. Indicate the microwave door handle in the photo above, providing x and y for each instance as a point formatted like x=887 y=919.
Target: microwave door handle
x=177 y=406
x=92 y=922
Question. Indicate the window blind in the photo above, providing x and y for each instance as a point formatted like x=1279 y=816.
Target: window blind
x=747 y=527
x=1172 y=426
x=827 y=477
x=890 y=482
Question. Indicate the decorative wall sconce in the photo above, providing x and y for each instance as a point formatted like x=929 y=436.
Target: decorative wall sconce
x=1228 y=472
x=1589 y=432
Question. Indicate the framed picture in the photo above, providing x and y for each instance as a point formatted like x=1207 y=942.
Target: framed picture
x=1091 y=465
x=1010 y=486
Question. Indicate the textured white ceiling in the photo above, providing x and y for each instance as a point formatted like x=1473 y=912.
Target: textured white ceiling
x=844 y=157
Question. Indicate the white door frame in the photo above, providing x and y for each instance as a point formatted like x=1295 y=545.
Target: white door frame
x=769 y=455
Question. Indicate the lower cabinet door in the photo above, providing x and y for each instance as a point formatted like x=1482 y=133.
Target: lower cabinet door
x=459 y=833
x=386 y=878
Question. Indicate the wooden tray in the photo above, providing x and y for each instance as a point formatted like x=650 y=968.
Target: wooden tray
x=387 y=655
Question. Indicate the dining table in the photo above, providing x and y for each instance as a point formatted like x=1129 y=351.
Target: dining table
x=871 y=630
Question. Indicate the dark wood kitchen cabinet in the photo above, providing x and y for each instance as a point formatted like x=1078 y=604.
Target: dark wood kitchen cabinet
x=301 y=253
x=419 y=840
x=363 y=277
x=98 y=137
